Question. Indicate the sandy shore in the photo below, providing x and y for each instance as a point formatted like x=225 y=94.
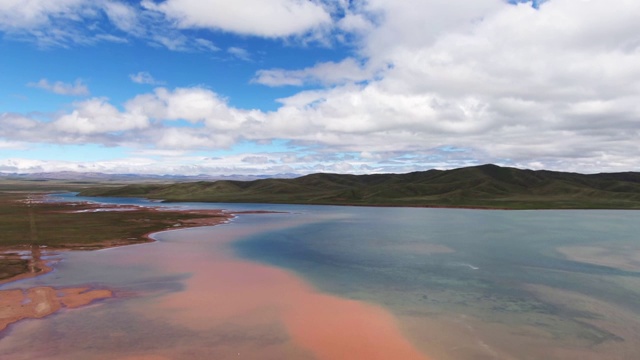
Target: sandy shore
x=38 y=302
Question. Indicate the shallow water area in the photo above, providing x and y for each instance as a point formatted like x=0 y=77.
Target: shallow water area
x=475 y=284
x=323 y=282
x=187 y=296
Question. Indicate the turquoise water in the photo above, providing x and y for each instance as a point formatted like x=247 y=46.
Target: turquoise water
x=495 y=262
x=492 y=251
x=463 y=284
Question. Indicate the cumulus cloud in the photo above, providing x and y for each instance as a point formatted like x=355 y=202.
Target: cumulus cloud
x=435 y=84
x=63 y=23
x=277 y=18
x=78 y=88
x=96 y=116
x=169 y=23
x=196 y=105
x=511 y=83
x=155 y=119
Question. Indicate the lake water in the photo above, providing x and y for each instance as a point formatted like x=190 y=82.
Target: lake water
x=355 y=282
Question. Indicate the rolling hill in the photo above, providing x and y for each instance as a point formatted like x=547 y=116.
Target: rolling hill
x=485 y=186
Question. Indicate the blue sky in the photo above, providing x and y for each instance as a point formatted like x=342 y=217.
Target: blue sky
x=299 y=86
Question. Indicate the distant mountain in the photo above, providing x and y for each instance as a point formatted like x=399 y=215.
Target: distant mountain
x=98 y=176
x=486 y=186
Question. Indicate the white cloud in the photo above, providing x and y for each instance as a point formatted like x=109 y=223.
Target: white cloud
x=254 y=159
x=47 y=23
x=78 y=88
x=124 y=17
x=65 y=23
x=205 y=44
x=439 y=83
x=240 y=53
x=96 y=116
x=15 y=122
x=414 y=24
x=185 y=138
x=12 y=145
x=144 y=77
x=328 y=73
x=111 y=38
x=509 y=82
x=121 y=166
x=18 y=14
x=355 y=23
x=196 y=105
x=276 y=18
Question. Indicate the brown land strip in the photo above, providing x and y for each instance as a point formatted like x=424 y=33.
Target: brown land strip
x=38 y=302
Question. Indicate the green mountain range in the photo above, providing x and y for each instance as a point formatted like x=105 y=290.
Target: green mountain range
x=485 y=186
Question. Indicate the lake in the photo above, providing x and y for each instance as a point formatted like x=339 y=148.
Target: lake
x=354 y=282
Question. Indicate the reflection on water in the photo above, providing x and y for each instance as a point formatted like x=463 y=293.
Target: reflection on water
x=460 y=284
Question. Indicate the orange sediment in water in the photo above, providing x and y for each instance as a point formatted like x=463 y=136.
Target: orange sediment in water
x=335 y=328
x=326 y=326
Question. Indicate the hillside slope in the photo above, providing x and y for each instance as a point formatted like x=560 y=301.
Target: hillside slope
x=487 y=186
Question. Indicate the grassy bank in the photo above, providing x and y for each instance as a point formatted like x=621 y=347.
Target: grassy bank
x=30 y=225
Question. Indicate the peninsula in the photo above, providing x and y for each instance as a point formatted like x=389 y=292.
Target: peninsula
x=34 y=230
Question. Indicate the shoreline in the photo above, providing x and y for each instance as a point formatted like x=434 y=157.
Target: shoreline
x=420 y=206
x=42 y=301
x=470 y=207
x=207 y=218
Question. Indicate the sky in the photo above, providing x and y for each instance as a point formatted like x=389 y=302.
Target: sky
x=272 y=87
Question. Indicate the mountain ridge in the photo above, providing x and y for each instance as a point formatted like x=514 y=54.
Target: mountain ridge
x=126 y=177
x=483 y=186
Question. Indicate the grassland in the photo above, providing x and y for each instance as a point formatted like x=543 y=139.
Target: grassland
x=486 y=186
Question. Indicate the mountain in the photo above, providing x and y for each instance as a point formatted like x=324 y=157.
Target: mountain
x=123 y=178
x=485 y=186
